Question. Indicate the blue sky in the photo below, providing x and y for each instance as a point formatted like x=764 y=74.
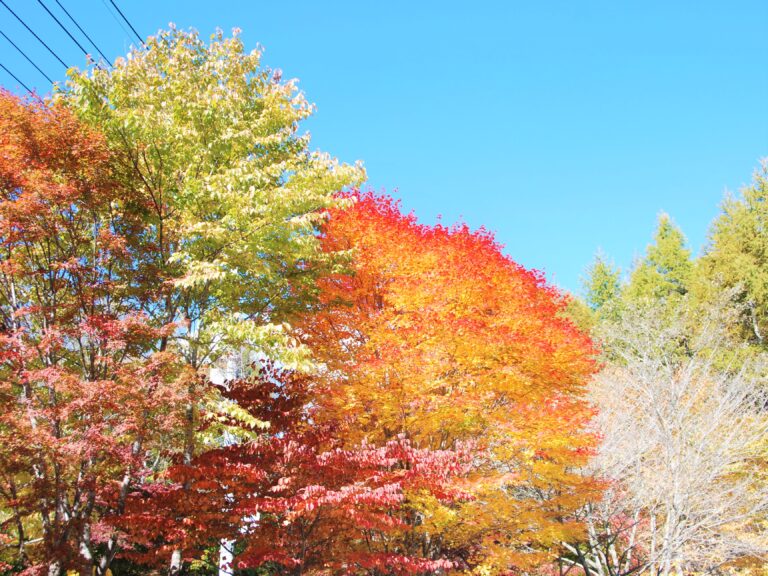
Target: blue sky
x=564 y=127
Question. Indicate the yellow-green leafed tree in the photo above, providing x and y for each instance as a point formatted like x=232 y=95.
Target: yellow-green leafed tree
x=236 y=194
x=210 y=141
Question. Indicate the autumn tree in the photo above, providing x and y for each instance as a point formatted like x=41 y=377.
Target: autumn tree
x=212 y=139
x=84 y=397
x=680 y=414
x=436 y=336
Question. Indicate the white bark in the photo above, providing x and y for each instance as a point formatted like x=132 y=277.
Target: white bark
x=226 y=557
x=175 y=567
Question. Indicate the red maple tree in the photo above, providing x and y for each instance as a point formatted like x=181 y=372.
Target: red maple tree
x=292 y=496
x=84 y=400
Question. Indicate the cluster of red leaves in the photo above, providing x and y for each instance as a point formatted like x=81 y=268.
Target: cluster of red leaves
x=293 y=495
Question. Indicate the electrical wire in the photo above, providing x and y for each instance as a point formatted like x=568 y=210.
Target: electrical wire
x=84 y=32
x=33 y=34
x=52 y=15
x=127 y=21
x=115 y=18
x=25 y=56
x=15 y=78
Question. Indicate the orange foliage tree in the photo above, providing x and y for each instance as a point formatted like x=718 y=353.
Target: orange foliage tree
x=435 y=335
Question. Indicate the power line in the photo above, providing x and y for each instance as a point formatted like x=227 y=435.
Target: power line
x=33 y=33
x=84 y=32
x=52 y=15
x=126 y=20
x=115 y=18
x=25 y=56
x=15 y=77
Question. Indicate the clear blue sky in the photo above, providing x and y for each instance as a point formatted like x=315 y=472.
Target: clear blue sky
x=562 y=126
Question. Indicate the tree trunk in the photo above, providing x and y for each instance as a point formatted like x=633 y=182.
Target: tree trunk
x=189 y=451
x=226 y=557
x=175 y=567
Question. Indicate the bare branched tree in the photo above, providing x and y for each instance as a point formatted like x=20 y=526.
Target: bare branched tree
x=684 y=424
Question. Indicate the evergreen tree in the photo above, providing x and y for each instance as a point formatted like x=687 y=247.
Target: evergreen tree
x=665 y=272
x=737 y=256
x=602 y=284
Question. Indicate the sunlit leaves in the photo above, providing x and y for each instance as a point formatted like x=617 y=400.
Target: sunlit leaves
x=434 y=333
x=212 y=139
